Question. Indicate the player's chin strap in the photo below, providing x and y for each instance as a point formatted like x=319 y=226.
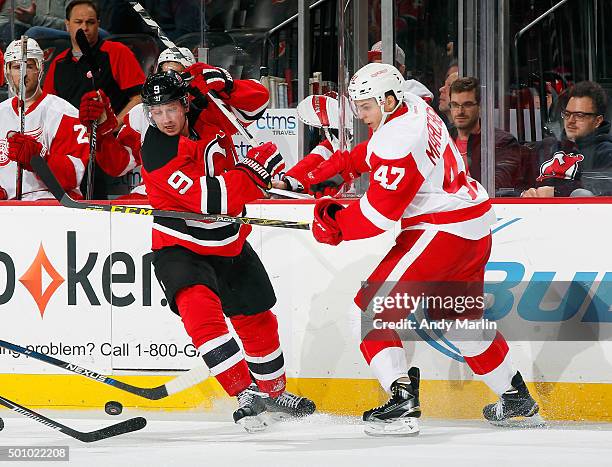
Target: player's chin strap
x=386 y=114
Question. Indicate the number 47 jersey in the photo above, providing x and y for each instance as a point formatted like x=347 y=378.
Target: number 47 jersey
x=417 y=175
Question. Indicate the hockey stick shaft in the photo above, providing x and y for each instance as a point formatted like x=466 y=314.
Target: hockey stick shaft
x=91 y=163
x=23 y=67
x=186 y=380
x=127 y=426
x=42 y=170
x=138 y=8
x=89 y=60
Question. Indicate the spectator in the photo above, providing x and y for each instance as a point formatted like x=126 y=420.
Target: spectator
x=585 y=144
x=512 y=161
x=443 y=103
x=120 y=75
x=52 y=129
x=35 y=19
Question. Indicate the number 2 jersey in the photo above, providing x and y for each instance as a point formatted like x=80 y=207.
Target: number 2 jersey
x=54 y=123
x=416 y=175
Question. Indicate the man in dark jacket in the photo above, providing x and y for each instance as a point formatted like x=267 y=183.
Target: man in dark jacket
x=585 y=147
x=514 y=166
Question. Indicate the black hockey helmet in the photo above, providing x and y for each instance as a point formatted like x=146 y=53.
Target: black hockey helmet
x=163 y=87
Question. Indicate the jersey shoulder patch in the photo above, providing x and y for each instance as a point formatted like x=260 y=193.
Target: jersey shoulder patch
x=158 y=149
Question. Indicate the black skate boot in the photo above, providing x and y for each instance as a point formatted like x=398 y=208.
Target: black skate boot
x=287 y=406
x=515 y=407
x=251 y=408
x=398 y=417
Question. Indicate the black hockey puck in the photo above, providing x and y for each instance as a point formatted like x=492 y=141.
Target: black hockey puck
x=113 y=408
x=1 y=424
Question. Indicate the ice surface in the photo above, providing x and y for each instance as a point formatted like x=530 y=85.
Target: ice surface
x=172 y=439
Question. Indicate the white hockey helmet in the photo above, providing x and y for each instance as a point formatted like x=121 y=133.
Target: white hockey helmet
x=373 y=81
x=13 y=54
x=185 y=57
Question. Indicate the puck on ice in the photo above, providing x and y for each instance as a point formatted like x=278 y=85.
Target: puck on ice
x=113 y=408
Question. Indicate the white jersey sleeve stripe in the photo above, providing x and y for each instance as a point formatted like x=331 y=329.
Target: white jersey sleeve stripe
x=375 y=217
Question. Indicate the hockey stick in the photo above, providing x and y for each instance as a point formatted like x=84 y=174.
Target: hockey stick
x=88 y=58
x=44 y=172
x=23 y=66
x=186 y=380
x=127 y=426
x=144 y=15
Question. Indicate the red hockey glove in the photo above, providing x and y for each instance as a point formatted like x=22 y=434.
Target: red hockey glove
x=262 y=163
x=3 y=194
x=21 y=149
x=94 y=104
x=208 y=78
x=324 y=227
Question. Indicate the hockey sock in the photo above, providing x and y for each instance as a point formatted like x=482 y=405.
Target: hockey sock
x=490 y=361
x=202 y=314
x=264 y=356
x=383 y=351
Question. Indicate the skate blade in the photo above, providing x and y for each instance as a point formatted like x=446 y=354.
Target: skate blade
x=254 y=424
x=403 y=427
x=285 y=417
x=535 y=421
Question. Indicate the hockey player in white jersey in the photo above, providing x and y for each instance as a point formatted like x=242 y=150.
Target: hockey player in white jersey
x=417 y=176
x=52 y=129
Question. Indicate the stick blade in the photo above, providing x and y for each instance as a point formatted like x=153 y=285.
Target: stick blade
x=121 y=428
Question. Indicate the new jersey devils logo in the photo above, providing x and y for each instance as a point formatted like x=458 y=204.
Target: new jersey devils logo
x=562 y=165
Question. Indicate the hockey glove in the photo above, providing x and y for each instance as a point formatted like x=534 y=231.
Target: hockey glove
x=328 y=178
x=3 y=194
x=208 y=78
x=96 y=106
x=21 y=149
x=329 y=187
x=324 y=227
x=261 y=164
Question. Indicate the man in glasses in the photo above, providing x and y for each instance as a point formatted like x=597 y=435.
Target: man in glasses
x=512 y=161
x=585 y=145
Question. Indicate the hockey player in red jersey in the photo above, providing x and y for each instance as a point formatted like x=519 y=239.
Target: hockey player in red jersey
x=417 y=176
x=208 y=271
x=52 y=130
x=115 y=160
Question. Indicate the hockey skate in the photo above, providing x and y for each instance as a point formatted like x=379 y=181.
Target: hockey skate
x=288 y=406
x=515 y=407
x=399 y=416
x=251 y=410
